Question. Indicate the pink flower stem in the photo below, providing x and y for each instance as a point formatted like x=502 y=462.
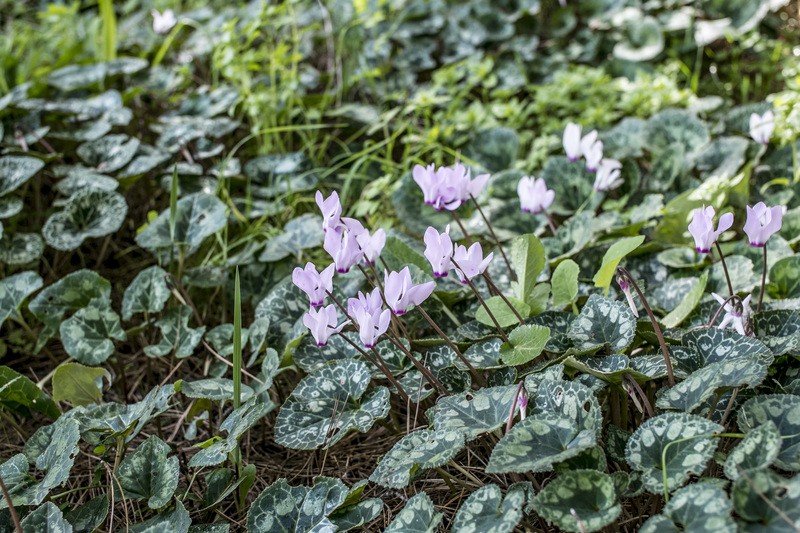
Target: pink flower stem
x=550 y=223
x=724 y=268
x=464 y=232
x=656 y=327
x=475 y=374
x=763 y=280
x=483 y=303
x=648 y=407
x=502 y=297
x=435 y=383
x=496 y=240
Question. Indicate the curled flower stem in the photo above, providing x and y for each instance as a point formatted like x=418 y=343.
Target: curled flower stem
x=735 y=299
x=724 y=268
x=502 y=297
x=496 y=240
x=380 y=364
x=475 y=374
x=763 y=280
x=483 y=303
x=656 y=327
x=648 y=407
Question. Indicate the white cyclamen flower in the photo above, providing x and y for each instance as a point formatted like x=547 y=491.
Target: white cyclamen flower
x=762 y=126
x=163 y=22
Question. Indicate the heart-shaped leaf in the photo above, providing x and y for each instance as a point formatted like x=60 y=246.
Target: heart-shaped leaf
x=475 y=412
x=16 y=170
x=501 y=311
x=564 y=283
x=783 y=410
x=570 y=399
x=697 y=507
x=176 y=335
x=579 y=501
x=78 y=384
x=299 y=234
x=47 y=518
x=149 y=473
x=328 y=404
x=603 y=322
x=668 y=448
x=526 y=344
x=87 y=517
x=19 y=394
x=13 y=291
x=147 y=293
x=758 y=450
x=538 y=442
x=89 y=213
x=417 y=451
x=282 y=508
x=765 y=501
x=214 y=389
x=417 y=516
x=486 y=510
x=237 y=424
x=21 y=248
x=87 y=334
x=72 y=292
x=109 y=153
x=175 y=521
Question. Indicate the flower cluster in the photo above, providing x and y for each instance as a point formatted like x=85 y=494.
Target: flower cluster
x=346 y=239
x=448 y=187
x=467 y=263
x=591 y=149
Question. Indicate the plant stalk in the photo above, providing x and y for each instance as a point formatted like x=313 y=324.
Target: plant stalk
x=483 y=303
x=475 y=374
x=724 y=268
x=494 y=237
x=763 y=280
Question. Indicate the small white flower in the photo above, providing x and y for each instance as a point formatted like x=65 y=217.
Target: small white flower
x=163 y=22
x=738 y=318
x=608 y=175
x=762 y=126
x=593 y=155
x=572 y=141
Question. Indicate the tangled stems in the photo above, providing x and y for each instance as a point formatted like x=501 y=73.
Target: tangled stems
x=483 y=303
x=475 y=374
x=635 y=385
x=724 y=268
x=656 y=328
x=496 y=240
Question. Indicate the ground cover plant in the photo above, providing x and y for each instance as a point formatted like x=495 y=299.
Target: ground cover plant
x=400 y=266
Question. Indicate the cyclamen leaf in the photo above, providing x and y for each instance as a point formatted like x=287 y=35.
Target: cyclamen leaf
x=109 y=153
x=18 y=393
x=58 y=457
x=149 y=473
x=527 y=343
x=501 y=311
x=603 y=322
x=282 y=508
x=21 y=248
x=87 y=334
x=784 y=411
x=758 y=450
x=527 y=257
x=487 y=511
x=72 y=292
x=175 y=521
x=688 y=443
x=417 y=451
x=358 y=515
x=328 y=404
x=14 y=289
x=78 y=384
x=767 y=502
x=47 y=518
x=697 y=507
x=688 y=303
x=564 y=282
x=579 y=501
x=88 y=517
x=147 y=293
x=418 y=516
x=475 y=412
x=570 y=399
x=237 y=424
x=176 y=335
x=88 y=213
x=16 y=170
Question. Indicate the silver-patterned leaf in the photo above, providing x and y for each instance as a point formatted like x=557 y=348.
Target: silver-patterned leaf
x=109 y=153
x=147 y=293
x=328 y=404
x=46 y=519
x=579 y=501
x=570 y=399
x=697 y=507
x=487 y=511
x=766 y=502
x=175 y=521
x=473 y=413
x=16 y=170
x=603 y=322
x=688 y=444
x=149 y=473
x=87 y=334
x=283 y=306
x=237 y=424
x=176 y=335
x=10 y=206
x=89 y=213
x=87 y=517
x=358 y=515
x=57 y=458
x=21 y=248
x=417 y=451
x=418 y=516
x=784 y=411
x=14 y=289
x=758 y=450
x=539 y=441
x=215 y=389
x=282 y=508
x=72 y=292
x=300 y=233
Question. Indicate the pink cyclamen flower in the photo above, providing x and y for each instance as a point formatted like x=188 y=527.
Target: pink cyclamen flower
x=762 y=222
x=373 y=321
x=534 y=196
x=163 y=22
x=470 y=261
x=522 y=401
x=370 y=244
x=734 y=316
x=365 y=303
x=593 y=155
x=702 y=228
x=608 y=175
x=428 y=180
x=762 y=126
x=439 y=251
x=625 y=287
x=572 y=141
x=315 y=285
x=322 y=323
x=343 y=249
x=400 y=293
x=331 y=210
x=460 y=178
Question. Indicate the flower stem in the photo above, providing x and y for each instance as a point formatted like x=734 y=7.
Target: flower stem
x=496 y=240
x=763 y=280
x=475 y=374
x=656 y=327
x=435 y=383
x=724 y=268
x=502 y=297
x=379 y=364
x=12 y=511
x=510 y=422
x=550 y=223
x=640 y=392
x=467 y=236
x=731 y=299
x=483 y=303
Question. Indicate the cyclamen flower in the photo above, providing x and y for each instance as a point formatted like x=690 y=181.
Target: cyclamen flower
x=428 y=181
x=762 y=126
x=572 y=141
x=439 y=251
x=441 y=188
x=470 y=262
x=399 y=292
x=738 y=318
x=315 y=285
x=331 y=210
x=365 y=303
x=163 y=22
x=702 y=228
x=534 y=196
x=370 y=245
x=522 y=401
x=625 y=287
x=762 y=222
x=608 y=175
x=322 y=323
x=372 y=320
x=343 y=249
x=593 y=155
x=461 y=179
